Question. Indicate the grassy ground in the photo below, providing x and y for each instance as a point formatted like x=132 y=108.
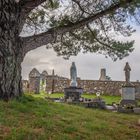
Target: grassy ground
x=33 y=118
x=108 y=99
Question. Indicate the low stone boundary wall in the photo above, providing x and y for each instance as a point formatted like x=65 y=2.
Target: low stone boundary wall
x=89 y=86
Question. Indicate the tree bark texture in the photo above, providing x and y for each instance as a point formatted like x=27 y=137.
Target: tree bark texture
x=11 y=52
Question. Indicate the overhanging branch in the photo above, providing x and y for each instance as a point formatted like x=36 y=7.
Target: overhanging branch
x=102 y=43
x=36 y=41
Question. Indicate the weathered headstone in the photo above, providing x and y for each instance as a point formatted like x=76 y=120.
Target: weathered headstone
x=25 y=86
x=138 y=93
x=128 y=93
x=136 y=110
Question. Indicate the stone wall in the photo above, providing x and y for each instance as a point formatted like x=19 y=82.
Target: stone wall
x=105 y=87
x=57 y=84
x=90 y=86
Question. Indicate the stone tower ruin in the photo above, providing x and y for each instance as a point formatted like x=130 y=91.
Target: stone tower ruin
x=103 y=75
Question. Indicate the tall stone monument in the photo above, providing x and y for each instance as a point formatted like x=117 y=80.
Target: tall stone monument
x=73 y=75
x=103 y=75
x=73 y=92
x=127 y=70
x=128 y=90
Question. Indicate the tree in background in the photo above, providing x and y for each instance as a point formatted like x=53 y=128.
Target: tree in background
x=67 y=26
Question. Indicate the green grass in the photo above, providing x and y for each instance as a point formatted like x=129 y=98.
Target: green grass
x=33 y=118
x=108 y=99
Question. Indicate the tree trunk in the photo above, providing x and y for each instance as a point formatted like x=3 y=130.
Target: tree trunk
x=11 y=50
x=10 y=78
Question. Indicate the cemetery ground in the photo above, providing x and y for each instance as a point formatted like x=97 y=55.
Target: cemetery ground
x=34 y=118
x=108 y=99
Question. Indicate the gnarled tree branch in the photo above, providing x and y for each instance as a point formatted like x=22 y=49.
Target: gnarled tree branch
x=36 y=41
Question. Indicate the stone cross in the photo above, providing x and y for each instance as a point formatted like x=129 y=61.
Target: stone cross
x=127 y=70
x=73 y=75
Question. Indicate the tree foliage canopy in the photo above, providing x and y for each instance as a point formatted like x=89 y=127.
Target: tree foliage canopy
x=82 y=25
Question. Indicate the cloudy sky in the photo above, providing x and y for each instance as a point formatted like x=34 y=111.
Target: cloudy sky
x=88 y=65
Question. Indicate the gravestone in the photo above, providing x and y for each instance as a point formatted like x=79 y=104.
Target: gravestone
x=136 y=110
x=73 y=92
x=128 y=90
x=128 y=93
x=138 y=93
